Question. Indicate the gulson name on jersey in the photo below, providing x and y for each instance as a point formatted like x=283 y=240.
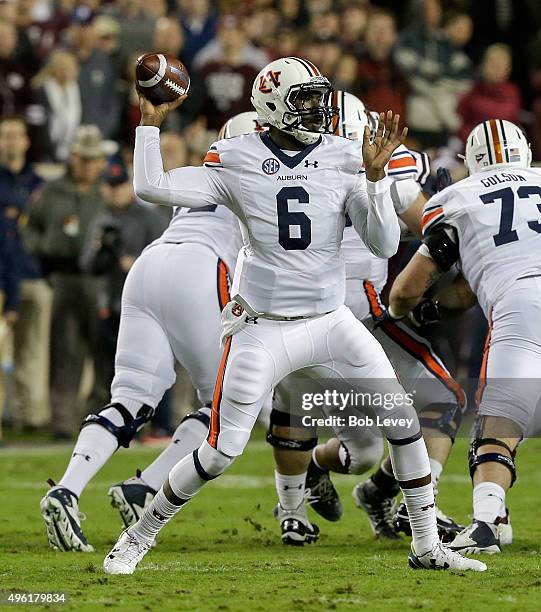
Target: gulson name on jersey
x=501 y=177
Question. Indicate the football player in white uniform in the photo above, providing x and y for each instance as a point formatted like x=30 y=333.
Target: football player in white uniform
x=183 y=272
x=291 y=188
x=490 y=223
x=131 y=496
x=439 y=399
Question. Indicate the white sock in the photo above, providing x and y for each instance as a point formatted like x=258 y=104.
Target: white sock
x=422 y=513
x=94 y=447
x=488 y=502
x=410 y=462
x=435 y=469
x=158 y=513
x=290 y=489
x=188 y=436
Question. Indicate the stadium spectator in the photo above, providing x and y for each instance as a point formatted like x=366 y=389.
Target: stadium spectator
x=225 y=73
x=46 y=34
x=493 y=96
x=108 y=39
x=353 y=24
x=198 y=21
x=345 y=76
x=286 y=43
x=59 y=89
x=326 y=51
x=19 y=184
x=437 y=74
x=459 y=30
x=16 y=94
x=114 y=240
x=57 y=225
x=97 y=80
x=136 y=27
x=380 y=83
x=231 y=41
x=156 y=8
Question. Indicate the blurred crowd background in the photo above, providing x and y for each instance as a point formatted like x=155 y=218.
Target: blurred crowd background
x=70 y=225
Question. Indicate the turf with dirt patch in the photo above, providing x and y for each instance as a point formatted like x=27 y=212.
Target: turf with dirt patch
x=223 y=551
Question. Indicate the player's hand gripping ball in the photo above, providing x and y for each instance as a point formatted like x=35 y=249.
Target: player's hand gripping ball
x=161 y=78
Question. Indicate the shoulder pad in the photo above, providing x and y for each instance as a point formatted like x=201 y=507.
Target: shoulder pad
x=442 y=244
x=230 y=152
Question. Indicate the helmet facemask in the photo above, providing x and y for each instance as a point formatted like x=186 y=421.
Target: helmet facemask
x=310 y=111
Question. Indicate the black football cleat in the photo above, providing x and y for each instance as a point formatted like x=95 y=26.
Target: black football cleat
x=295 y=526
x=130 y=498
x=378 y=508
x=324 y=498
x=60 y=511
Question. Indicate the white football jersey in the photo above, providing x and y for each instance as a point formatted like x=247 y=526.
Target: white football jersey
x=361 y=264
x=213 y=226
x=292 y=206
x=497 y=216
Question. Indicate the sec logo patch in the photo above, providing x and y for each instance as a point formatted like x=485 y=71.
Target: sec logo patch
x=270 y=166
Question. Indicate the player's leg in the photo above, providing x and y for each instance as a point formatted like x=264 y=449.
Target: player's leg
x=354 y=357
x=508 y=395
x=144 y=370
x=253 y=361
x=292 y=444
x=201 y=286
x=440 y=402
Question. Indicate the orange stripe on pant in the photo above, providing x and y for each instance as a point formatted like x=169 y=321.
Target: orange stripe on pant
x=412 y=346
x=483 y=373
x=214 y=429
x=222 y=282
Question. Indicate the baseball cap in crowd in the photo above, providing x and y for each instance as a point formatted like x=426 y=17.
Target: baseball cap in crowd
x=106 y=27
x=116 y=172
x=88 y=142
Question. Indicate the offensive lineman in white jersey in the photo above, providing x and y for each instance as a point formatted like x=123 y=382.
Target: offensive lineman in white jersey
x=291 y=188
x=438 y=398
x=184 y=271
x=490 y=223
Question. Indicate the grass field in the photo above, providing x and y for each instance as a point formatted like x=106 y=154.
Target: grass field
x=223 y=551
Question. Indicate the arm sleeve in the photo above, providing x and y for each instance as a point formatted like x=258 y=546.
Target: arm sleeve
x=372 y=213
x=189 y=187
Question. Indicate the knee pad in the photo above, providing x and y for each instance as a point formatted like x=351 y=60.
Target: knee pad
x=474 y=459
x=448 y=421
x=358 y=460
x=284 y=419
x=210 y=462
x=126 y=432
x=247 y=378
x=202 y=415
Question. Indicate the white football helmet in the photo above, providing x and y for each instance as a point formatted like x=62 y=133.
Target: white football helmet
x=353 y=116
x=496 y=142
x=292 y=95
x=243 y=123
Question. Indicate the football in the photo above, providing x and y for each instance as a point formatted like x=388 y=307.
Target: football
x=160 y=77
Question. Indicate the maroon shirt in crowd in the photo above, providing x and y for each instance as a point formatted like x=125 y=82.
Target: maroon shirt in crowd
x=488 y=101
x=381 y=87
x=227 y=91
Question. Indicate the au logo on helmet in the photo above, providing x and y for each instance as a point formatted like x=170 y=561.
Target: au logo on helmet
x=273 y=76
